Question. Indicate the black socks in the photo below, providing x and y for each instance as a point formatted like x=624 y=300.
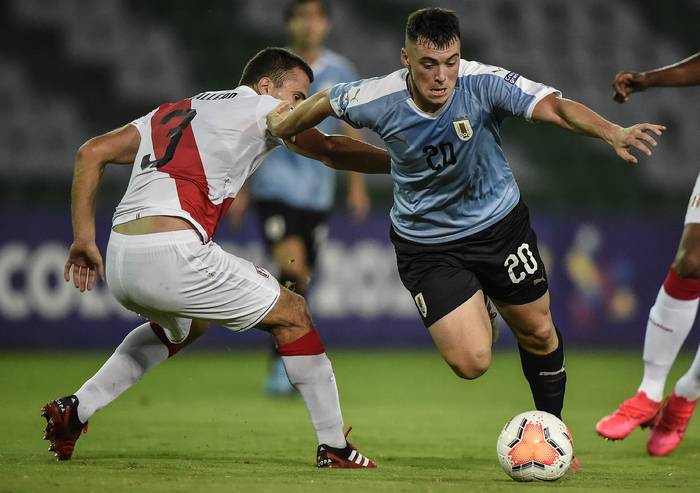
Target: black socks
x=547 y=377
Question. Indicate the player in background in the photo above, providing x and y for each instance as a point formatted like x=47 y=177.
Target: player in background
x=189 y=160
x=293 y=194
x=672 y=315
x=459 y=226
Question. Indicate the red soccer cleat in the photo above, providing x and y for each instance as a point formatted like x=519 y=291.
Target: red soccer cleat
x=636 y=411
x=345 y=458
x=668 y=432
x=62 y=426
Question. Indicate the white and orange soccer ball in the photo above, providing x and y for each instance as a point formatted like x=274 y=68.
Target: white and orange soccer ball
x=535 y=445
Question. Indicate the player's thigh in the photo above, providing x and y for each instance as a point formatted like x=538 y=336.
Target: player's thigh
x=435 y=277
x=532 y=324
x=464 y=337
x=229 y=290
x=145 y=274
x=187 y=280
x=507 y=260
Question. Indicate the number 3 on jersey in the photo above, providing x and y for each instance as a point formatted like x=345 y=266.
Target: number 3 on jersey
x=513 y=261
x=171 y=121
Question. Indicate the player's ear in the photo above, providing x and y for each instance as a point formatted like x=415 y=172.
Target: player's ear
x=404 y=58
x=264 y=85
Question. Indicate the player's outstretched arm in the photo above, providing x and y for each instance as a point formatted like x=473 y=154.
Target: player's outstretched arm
x=341 y=152
x=118 y=146
x=683 y=73
x=578 y=118
x=283 y=123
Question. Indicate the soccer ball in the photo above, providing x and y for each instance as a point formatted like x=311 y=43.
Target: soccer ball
x=535 y=445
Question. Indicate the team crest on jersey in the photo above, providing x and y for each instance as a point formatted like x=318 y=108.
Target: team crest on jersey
x=463 y=129
x=420 y=303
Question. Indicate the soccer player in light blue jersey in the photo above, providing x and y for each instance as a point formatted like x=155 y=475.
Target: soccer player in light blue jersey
x=459 y=227
x=293 y=194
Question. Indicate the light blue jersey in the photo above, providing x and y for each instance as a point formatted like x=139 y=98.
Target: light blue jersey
x=296 y=180
x=451 y=178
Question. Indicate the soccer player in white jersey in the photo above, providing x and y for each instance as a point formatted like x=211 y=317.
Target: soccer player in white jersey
x=459 y=227
x=190 y=159
x=293 y=194
x=672 y=315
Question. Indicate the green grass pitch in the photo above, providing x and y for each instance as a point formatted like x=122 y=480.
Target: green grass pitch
x=200 y=422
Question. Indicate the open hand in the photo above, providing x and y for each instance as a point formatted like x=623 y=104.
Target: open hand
x=636 y=136
x=84 y=260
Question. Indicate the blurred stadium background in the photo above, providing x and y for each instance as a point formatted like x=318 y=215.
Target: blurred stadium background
x=70 y=69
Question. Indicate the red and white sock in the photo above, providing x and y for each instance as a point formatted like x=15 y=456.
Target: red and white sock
x=310 y=371
x=142 y=349
x=670 y=321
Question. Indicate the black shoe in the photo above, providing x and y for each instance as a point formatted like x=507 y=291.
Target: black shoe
x=63 y=428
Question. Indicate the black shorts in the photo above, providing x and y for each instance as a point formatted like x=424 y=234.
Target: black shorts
x=279 y=221
x=502 y=260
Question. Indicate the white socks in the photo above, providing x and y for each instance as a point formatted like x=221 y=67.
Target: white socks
x=140 y=351
x=670 y=320
x=305 y=360
x=313 y=377
x=689 y=384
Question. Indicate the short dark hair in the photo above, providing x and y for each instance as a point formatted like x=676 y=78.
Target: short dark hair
x=273 y=63
x=438 y=27
x=291 y=8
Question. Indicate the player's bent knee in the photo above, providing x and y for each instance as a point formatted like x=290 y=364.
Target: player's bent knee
x=538 y=337
x=302 y=315
x=687 y=264
x=471 y=367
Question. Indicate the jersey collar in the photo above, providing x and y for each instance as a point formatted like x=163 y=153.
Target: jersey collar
x=246 y=90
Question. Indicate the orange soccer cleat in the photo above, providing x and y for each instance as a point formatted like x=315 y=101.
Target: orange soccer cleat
x=668 y=432
x=635 y=411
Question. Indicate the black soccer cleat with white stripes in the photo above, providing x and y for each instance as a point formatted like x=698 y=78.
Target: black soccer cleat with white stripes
x=345 y=458
x=63 y=428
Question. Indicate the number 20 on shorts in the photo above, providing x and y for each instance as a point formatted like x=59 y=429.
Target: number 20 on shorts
x=526 y=258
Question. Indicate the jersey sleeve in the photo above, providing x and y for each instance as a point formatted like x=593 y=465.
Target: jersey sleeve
x=512 y=94
x=142 y=122
x=343 y=98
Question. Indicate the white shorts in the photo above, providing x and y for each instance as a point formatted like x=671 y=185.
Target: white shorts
x=172 y=278
x=692 y=215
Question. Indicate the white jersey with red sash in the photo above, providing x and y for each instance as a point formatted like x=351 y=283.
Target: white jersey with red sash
x=195 y=156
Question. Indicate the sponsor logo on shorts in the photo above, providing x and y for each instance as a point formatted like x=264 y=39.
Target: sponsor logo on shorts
x=511 y=77
x=262 y=271
x=695 y=202
x=463 y=129
x=420 y=303
x=539 y=280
